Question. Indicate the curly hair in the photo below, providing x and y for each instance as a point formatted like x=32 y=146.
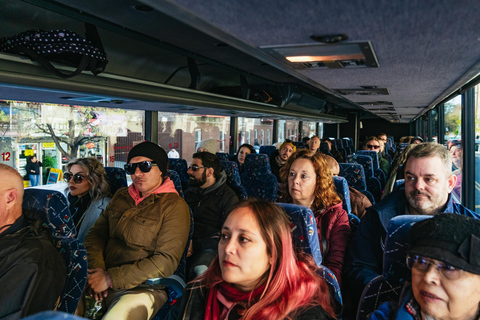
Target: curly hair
x=95 y=174
x=292 y=282
x=325 y=192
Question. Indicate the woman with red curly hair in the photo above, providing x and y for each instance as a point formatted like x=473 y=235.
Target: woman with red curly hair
x=256 y=274
x=309 y=183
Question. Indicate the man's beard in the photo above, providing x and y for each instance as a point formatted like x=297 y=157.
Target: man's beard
x=194 y=182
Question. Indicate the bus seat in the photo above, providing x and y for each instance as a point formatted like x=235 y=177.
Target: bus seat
x=305 y=237
x=233 y=179
x=388 y=285
x=373 y=183
x=354 y=174
x=257 y=179
x=324 y=148
x=369 y=196
x=116 y=178
x=180 y=166
x=176 y=181
x=377 y=172
x=398 y=184
x=52 y=208
x=176 y=283
x=267 y=150
x=342 y=190
x=222 y=156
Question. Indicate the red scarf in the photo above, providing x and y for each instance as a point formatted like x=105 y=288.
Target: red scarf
x=223 y=297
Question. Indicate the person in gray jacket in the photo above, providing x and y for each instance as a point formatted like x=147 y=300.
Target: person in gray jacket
x=88 y=192
x=210 y=199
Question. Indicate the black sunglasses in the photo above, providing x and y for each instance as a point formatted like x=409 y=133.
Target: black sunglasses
x=195 y=167
x=144 y=166
x=77 y=177
x=369 y=146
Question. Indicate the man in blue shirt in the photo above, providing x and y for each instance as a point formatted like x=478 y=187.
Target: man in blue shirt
x=428 y=185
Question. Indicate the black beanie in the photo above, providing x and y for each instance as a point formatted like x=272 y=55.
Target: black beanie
x=150 y=150
x=448 y=237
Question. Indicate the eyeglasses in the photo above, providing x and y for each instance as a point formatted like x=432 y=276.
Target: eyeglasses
x=144 y=166
x=369 y=146
x=195 y=167
x=422 y=264
x=77 y=177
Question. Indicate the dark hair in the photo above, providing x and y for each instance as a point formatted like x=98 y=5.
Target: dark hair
x=246 y=145
x=210 y=160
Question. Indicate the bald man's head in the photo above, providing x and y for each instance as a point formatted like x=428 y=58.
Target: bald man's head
x=333 y=165
x=11 y=196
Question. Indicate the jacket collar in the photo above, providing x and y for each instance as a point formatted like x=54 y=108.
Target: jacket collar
x=166 y=187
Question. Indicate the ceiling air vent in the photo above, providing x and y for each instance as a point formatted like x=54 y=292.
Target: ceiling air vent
x=331 y=56
x=363 y=91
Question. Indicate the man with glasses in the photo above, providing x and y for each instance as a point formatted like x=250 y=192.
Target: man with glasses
x=374 y=144
x=210 y=199
x=32 y=272
x=428 y=184
x=142 y=234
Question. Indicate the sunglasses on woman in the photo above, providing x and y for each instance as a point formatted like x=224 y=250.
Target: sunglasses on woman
x=77 y=177
x=422 y=264
x=371 y=146
x=144 y=166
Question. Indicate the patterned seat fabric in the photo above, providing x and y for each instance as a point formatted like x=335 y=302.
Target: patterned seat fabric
x=257 y=179
x=354 y=174
x=222 y=156
x=176 y=181
x=267 y=150
x=377 y=172
x=233 y=179
x=324 y=148
x=342 y=189
x=116 y=178
x=180 y=166
x=373 y=183
x=388 y=285
x=305 y=238
x=52 y=208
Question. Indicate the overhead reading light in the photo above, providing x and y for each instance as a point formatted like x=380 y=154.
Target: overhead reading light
x=334 y=56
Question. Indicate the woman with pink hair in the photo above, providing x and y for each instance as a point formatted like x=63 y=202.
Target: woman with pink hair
x=256 y=274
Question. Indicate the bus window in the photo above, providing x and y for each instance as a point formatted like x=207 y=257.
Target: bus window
x=477 y=148
x=453 y=118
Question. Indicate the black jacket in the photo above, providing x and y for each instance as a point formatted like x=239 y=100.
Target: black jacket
x=209 y=207
x=191 y=306
x=33 y=168
x=32 y=272
x=274 y=165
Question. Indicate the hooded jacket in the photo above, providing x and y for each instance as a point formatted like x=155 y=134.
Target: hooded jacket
x=136 y=239
x=209 y=207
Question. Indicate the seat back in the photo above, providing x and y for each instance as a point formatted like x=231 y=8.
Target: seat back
x=257 y=179
x=116 y=178
x=324 y=148
x=222 y=156
x=267 y=150
x=175 y=177
x=305 y=238
x=341 y=185
x=373 y=155
x=180 y=166
x=388 y=286
x=354 y=174
x=52 y=208
x=233 y=179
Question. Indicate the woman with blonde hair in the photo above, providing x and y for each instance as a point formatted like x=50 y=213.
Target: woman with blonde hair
x=88 y=192
x=256 y=274
x=310 y=183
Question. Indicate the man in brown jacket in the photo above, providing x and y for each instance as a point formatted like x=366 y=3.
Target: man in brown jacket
x=141 y=235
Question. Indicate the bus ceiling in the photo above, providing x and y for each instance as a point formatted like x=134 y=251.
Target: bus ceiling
x=317 y=59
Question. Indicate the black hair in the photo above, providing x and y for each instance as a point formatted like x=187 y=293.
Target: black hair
x=210 y=160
